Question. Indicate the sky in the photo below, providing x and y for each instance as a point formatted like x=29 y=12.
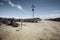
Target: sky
x=23 y=8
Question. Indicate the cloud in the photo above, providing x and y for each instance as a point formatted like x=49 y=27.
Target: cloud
x=1 y=4
x=13 y=5
x=54 y=14
x=19 y=7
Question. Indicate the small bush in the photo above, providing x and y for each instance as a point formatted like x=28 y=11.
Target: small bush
x=15 y=25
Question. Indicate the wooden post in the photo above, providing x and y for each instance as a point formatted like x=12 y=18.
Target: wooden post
x=21 y=23
x=33 y=12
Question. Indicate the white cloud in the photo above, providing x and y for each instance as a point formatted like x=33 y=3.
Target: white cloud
x=19 y=7
x=55 y=14
x=12 y=4
x=49 y=16
x=1 y=4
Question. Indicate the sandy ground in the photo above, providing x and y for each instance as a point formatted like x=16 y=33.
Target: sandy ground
x=44 y=30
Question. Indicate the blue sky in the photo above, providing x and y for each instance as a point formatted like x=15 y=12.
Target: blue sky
x=23 y=8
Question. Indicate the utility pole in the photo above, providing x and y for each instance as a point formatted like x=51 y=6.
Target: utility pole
x=33 y=10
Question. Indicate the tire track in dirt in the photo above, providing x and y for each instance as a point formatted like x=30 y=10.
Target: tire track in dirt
x=44 y=30
x=55 y=31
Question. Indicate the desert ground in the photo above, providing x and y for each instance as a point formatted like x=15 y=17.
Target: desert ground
x=43 y=30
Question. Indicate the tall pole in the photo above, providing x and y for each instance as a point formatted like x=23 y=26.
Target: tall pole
x=33 y=10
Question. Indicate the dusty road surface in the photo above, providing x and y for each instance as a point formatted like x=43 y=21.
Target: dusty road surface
x=44 y=30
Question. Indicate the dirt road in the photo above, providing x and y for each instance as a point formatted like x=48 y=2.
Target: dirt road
x=44 y=30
